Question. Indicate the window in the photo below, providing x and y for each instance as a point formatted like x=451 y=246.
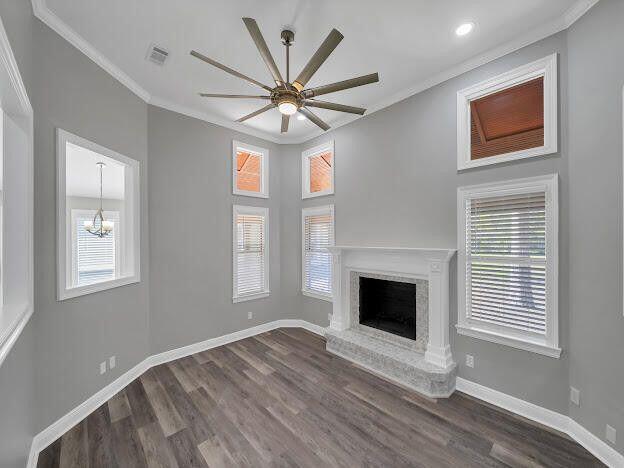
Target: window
x=250 y=167
x=509 y=117
x=508 y=263
x=317 y=228
x=94 y=259
x=317 y=171
x=251 y=253
x=96 y=253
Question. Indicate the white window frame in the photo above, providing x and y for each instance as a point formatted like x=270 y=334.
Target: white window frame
x=549 y=343
x=312 y=211
x=305 y=169
x=16 y=286
x=73 y=252
x=131 y=220
x=545 y=67
x=264 y=169
x=254 y=211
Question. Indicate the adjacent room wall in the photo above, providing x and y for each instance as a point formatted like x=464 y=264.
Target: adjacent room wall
x=74 y=336
x=396 y=181
x=191 y=200
x=596 y=81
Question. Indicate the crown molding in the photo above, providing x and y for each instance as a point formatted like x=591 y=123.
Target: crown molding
x=569 y=17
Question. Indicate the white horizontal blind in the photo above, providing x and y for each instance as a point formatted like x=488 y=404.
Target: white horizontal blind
x=250 y=250
x=95 y=257
x=506 y=261
x=318 y=233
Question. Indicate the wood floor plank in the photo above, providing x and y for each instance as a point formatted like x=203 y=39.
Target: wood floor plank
x=279 y=399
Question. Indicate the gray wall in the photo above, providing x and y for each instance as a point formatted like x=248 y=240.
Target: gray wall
x=596 y=72
x=75 y=335
x=396 y=180
x=191 y=202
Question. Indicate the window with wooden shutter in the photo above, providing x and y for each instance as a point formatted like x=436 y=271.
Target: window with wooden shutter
x=317 y=171
x=508 y=261
x=250 y=253
x=317 y=234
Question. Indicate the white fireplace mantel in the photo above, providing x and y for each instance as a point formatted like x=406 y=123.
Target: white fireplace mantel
x=431 y=264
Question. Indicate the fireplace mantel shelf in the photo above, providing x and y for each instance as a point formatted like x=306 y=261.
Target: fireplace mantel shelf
x=438 y=253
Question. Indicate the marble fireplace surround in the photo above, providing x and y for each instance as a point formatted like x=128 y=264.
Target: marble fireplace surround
x=426 y=364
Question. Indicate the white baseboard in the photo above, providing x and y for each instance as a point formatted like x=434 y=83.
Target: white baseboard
x=65 y=423
x=536 y=413
x=600 y=449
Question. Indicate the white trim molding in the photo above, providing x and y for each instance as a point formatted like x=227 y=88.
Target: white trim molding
x=16 y=236
x=131 y=221
x=65 y=423
x=546 y=68
x=548 y=342
x=305 y=169
x=578 y=9
x=263 y=154
x=562 y=423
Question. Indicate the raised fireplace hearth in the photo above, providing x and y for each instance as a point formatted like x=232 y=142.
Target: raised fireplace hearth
x=390 y=315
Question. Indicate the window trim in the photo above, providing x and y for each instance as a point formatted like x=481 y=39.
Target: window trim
x=546 y=67
x=256 y=211
x=305 y=170
x=132 y=218
x=264 y=169
x=549 y=344
x=315 y=210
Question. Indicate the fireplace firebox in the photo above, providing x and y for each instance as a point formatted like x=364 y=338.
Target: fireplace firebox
x=389 y=306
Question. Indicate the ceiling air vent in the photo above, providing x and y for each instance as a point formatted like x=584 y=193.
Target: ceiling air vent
x=157 y=54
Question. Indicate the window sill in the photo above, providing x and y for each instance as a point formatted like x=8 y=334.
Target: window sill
x=316 y=295
x=506 y=340
x=250 y=297
x=11 y=327
x=97 y=287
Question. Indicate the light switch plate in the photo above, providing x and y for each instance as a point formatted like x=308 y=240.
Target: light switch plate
x=112 y=362
x=102 y=367
x=575 y=396
x=610 y=434
x=249 y=315
x=469 y=360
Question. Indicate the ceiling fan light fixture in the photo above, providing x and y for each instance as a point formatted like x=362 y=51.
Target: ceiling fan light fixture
x=287 y=107
x=301 y=117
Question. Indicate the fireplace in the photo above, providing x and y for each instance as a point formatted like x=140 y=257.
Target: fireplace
x=389 y=306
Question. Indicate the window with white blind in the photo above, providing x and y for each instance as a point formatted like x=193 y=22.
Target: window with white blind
x=251 y=253
x=508 y=263
x=94 y=259
x=317 y=228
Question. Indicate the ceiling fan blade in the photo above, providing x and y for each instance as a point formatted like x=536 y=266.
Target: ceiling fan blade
x=257 y=37
x=285 y=120
x=326 y=48
x=308 y=113
x=340 y=85
x=234 y=96
x=334 y=106
x=258 y=112
x=227 y=69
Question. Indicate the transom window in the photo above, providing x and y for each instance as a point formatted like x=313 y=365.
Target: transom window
x=317 y=226
x=250 y=170
x=317 y=171
x=508 y=254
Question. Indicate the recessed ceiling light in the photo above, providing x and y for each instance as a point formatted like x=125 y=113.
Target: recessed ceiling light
x=464 y=29
x=301 y=117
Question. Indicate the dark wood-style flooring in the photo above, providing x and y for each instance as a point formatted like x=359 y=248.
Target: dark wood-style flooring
x=279 y=399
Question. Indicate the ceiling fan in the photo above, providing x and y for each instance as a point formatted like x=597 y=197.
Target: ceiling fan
x=290 y=98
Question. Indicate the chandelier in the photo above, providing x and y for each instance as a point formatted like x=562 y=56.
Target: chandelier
x=99 y=226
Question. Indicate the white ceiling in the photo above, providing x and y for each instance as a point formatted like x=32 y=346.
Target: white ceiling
x=83 y=175
x=411 y=43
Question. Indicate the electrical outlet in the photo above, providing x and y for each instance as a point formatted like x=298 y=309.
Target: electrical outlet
x=112 y=362
x=249 y=315
x=575 y=396
x=469 y=360
x=102 y=367
x=610 y=434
